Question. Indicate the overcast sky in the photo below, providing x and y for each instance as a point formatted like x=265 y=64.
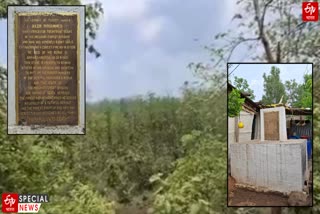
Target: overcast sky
x=146 y=45
x=253 y=74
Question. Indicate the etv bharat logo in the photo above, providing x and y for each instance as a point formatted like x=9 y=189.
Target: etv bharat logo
x=9 y=203
x=310 y=11
x=22 y=203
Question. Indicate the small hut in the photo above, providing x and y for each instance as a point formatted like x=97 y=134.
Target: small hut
x=249 y=116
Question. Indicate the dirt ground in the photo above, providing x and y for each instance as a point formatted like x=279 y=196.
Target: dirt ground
x=244 y=197
x=138 y=205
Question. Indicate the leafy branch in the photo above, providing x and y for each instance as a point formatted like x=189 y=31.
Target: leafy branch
x=235 y=103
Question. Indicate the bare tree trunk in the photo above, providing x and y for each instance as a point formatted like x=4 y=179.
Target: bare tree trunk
x=278 y=53
x=260 y=21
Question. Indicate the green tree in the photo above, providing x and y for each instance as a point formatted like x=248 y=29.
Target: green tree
x=243 y=86
x=234 y=103
x=305 y=96
x=284 y=38
x=293 y=90
x=93 y=12
x=274 y=89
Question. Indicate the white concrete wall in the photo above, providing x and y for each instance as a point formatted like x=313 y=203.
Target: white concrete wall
x=245 y=132
x=276 y=166
x=282 y=122
x=231 y=130
x=231 y=137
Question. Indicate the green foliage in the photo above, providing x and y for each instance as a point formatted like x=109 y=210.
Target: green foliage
x=243 y=86
x=81 y=199
x=133 y=142
x=45 y=164
x=41 y=165
x=3 y=90
x=274 y=89
x=293 y=90
x=135 y=138
x=300 y=95
x=193 y=187
x=316 y=145
x=235 y=103
x=253 y=31
x=305 y=99
x=93 y=14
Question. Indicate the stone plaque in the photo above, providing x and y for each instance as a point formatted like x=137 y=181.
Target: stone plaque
x=271 y=125
x=47 y=67
x=47 y=60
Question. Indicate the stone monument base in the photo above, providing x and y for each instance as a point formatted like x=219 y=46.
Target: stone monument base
x=273 y=165
x=46 y=130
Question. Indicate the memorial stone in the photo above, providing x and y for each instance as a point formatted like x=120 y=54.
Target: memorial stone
x=46 y=70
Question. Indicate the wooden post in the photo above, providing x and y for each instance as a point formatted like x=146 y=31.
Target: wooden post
x=236 y=129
